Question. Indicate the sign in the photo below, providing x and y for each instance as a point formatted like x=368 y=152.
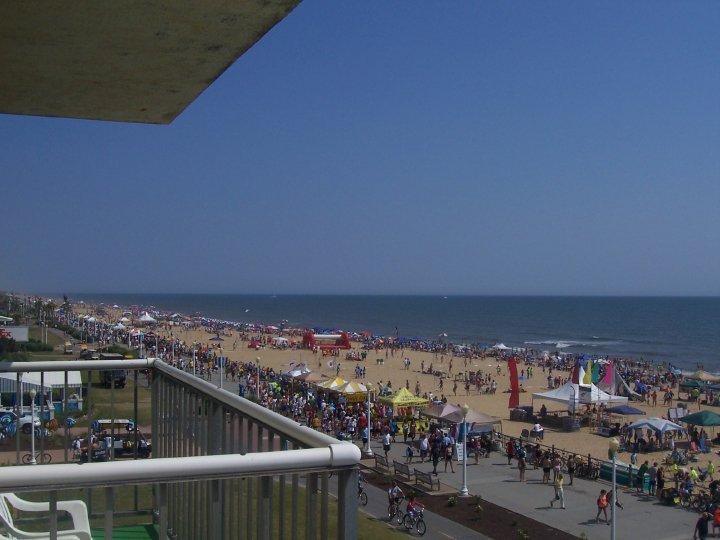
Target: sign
x=460 y=449
x=221 y=361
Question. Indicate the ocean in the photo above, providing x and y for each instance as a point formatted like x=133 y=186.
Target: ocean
x=682 y=331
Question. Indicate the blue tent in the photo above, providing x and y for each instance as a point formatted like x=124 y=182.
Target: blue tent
x=624 y=410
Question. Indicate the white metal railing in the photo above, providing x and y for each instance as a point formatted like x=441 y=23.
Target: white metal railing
x=221 y=467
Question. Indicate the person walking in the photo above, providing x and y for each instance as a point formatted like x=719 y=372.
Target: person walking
x=449 y=444
x=571 y=466
x=602 y=504
x=701 y=527
x=386 y=443
x=522 y=465
x=546 y=467
x=559 y=491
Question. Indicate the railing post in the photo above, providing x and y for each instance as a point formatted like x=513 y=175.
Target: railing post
x=310 y=506
x=264 y=508
x=162 y=510
x=65 y=411
x=347 y=527
x=324 y=494
x=53 y=515
x=18 y=412
x=109 y=510
x=215 y=516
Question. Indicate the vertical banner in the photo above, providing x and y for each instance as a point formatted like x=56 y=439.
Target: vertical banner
x=514 y=401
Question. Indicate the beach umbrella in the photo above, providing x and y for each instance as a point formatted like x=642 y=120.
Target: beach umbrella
x=217 y=338
x=658 y=424
x=119 y=326
x=624 y=410
x=702 y=418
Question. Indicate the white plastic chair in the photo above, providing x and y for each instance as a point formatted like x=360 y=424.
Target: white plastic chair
x=76 y=509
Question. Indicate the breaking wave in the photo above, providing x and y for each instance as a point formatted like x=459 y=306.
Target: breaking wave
x=566 y=343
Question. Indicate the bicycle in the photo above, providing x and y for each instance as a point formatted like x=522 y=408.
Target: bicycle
x=415 y=520
x=40 y=457
x=362 y=496
x=395 y=511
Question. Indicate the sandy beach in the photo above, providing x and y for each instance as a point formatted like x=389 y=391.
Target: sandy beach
x=583 y=442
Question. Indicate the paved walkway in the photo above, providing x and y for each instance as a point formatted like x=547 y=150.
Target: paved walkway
x=642 y=516
x=495 y=481
x=438 y=527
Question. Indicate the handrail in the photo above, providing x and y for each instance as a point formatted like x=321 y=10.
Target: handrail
x=75 y=365
x=281 y=424
x=177 y=469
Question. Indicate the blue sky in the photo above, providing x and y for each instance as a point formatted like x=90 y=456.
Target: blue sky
x=366 y=147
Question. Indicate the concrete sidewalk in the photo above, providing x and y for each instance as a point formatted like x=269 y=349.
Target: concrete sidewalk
x=495 y=481
x=438 y=527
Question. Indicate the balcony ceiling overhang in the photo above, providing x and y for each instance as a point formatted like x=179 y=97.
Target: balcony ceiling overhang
x=128 y=61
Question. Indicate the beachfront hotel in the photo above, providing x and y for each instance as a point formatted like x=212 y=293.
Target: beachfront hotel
x=221 y=467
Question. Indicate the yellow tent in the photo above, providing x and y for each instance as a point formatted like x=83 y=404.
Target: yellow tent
x=333 y=384
x=404 y=398
x=352 y=387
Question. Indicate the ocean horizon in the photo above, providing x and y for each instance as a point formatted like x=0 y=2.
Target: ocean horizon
x=671 y=329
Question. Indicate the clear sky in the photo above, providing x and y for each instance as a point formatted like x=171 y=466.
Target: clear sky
x=373 y=147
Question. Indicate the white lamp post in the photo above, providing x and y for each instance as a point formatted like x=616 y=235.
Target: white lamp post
x=613 y=446
x=464 y=490
x=221 y=361
x=33 y=393
x=368 y=451
x=194 y=360
x=257 y=360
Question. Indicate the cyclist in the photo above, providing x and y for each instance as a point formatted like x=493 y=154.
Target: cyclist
x=361 y=481
x=395 y=494
x=413 y=506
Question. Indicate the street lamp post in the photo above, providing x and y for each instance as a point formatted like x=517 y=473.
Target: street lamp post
x=33 y=393
x=194 y=361
x=221 y=360
x=464 y=490
x=613 y=446
x=368 y=451
x=257 y=387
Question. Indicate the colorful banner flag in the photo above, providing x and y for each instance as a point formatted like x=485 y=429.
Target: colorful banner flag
x=587 y=379
x=514 y=401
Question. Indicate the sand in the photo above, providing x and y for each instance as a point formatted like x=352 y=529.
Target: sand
x=583 y=442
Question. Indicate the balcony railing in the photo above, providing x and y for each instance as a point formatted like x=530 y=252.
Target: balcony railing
x=221 y=466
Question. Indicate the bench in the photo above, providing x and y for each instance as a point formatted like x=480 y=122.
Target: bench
x=426 y=479
x=402 y=470
x=381 y=464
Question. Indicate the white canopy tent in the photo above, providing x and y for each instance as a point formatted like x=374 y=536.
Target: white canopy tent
x=580 y=393
x=501 y=347
x=658 y=424
x=300 y=369
x=147 y=319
